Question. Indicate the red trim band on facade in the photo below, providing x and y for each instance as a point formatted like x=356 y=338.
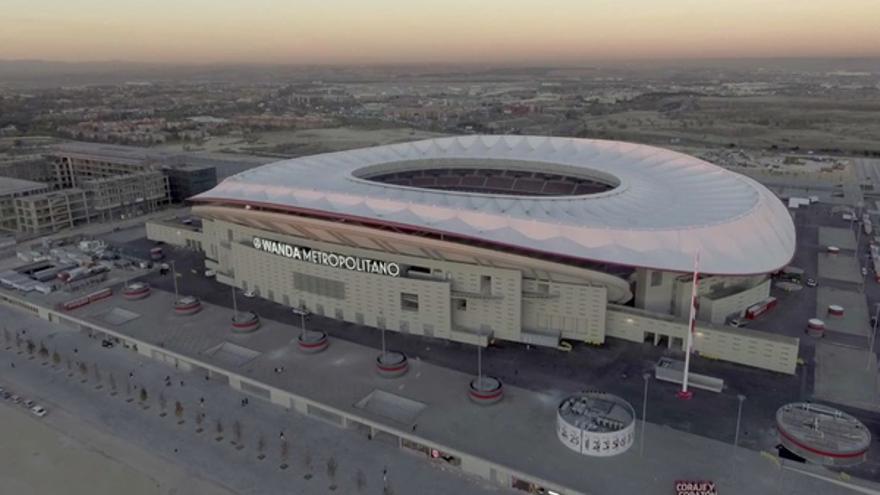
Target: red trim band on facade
x=485 y=396
x=817 y=451
x=306 y=345
x=396 y=367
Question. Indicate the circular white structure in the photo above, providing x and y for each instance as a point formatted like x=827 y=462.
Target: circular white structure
x=822 y=434
x=815 y=327
x=572 y=199
x=835 y=310
x=596 y=424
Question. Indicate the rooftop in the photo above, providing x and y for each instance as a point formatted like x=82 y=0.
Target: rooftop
x=8 y=185
x=644 y=207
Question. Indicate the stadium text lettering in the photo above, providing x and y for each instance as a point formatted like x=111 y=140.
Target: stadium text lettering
x=334 y=260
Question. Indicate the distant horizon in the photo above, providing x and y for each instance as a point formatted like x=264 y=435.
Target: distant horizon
x=392 y=32
x=543 y=63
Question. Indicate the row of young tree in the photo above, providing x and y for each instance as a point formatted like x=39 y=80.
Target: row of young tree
x=199 y=417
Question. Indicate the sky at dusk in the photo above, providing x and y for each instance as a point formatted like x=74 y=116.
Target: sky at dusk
x=457 y=31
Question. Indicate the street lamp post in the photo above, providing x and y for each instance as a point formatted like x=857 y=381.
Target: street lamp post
x=873 y=336
x=739 y=411
x=647 y=377
x=741 y=398
x=234 y=305
x=382 y=328
x=302 y=311
x=174 y=278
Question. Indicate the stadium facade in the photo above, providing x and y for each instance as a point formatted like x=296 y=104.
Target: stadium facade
x=519 y=238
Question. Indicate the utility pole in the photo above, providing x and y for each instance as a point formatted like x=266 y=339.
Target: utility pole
x=647 y=377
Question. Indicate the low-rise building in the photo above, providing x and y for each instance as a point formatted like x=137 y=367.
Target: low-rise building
x=10 y=190
x=52 y=211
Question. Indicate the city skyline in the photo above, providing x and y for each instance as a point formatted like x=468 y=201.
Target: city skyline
x=391 y=31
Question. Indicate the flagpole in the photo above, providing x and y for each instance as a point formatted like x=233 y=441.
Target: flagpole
x=684 y=393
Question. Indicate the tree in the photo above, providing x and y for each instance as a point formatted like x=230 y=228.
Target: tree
x=17 y=341
x=360 y=481
x=199 y=418
x=162 y=403
x=143 y=394
x=261 y=446
x=285 y=451
x=218 y=427
x=44 y=352
x=307 y=463
x=178 y=411
x=30 y=346
x=331 y=471
x=84 y=370
x=236 y=432
x=56 y=358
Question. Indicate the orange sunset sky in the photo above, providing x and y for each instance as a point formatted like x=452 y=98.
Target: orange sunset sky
x=413 y=31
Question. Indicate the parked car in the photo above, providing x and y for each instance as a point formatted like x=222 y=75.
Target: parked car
x=250 y=293
x=811 y=282
x=210 y=273
x=107 y=343
x=738 y=322
x=39 y=411
x=16 y=399
x=29 y=403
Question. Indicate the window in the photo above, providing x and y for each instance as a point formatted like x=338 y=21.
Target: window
x=543 y=288
x=319 y=285
x=485 y=284
x=409 y=302
x=656 y=278
x=459 y=304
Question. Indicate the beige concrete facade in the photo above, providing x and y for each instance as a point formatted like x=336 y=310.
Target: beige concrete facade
x=738 y=345
x=462 y=293
x=433 y=296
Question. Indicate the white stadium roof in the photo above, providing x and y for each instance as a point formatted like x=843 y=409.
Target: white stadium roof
x=659 y=208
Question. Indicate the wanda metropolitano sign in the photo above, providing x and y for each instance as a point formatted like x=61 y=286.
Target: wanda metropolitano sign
x=333 y=260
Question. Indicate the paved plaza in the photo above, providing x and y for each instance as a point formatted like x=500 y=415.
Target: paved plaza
x=840 y=237
x=155 y=445
x=841 y=267
x=855 y=319
x=449 y=419
x=846 y=375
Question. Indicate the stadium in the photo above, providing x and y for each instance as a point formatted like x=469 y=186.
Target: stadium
x=519 y=238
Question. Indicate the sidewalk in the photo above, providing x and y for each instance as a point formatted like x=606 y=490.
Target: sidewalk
x=199 y=453
x=518 y=433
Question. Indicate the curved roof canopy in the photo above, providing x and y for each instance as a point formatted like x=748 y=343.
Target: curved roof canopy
x=656 y=208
